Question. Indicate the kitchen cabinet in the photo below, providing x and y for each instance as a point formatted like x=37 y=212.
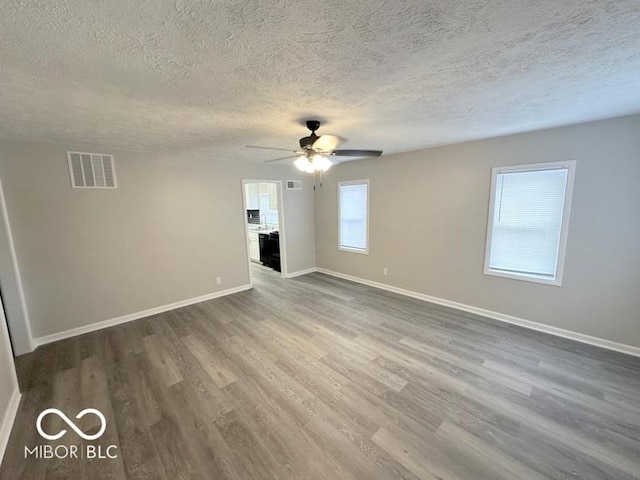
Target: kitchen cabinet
x=263 y=188
x=270 y=190
x=254 y=247
x=263 y=196
x=252 y=196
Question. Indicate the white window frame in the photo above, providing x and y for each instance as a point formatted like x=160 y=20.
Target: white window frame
x=570 y=165
x=364 y=251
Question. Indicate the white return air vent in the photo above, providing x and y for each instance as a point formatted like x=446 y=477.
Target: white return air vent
x=294 y=184
x=91 y=170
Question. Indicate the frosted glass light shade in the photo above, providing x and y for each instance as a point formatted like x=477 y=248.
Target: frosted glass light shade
x=316 y=163
x=321 y=163
x=303 y=164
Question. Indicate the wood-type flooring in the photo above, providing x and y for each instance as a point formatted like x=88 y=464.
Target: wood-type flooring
x=320 y=378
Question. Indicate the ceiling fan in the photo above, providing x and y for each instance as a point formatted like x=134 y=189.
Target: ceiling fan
x=315 y=151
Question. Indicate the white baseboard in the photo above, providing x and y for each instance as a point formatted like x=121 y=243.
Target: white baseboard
x=135 y=316
x=9 y=418
x=299 y=273
x=540 y=327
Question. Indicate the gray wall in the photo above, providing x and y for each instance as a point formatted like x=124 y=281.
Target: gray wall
x=171 y=227
x=428 y=222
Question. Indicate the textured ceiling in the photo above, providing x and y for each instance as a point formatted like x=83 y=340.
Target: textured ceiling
x=208 y=77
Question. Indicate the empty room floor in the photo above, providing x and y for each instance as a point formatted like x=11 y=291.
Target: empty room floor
x=320 y=378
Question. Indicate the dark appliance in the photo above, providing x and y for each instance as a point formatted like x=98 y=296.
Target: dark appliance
x=263 y=241
x=270 y=250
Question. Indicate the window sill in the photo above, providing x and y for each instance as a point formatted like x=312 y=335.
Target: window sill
x=354 y=250
x=556 y=282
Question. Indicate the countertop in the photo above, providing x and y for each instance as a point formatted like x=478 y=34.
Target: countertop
x=262 y=229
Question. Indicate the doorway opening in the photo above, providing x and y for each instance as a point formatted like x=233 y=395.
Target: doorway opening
x=264 y=225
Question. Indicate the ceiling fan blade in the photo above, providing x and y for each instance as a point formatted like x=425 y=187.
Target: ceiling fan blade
x=269 y=148
x=278 y=159
x=326 y=143
x=357 y=153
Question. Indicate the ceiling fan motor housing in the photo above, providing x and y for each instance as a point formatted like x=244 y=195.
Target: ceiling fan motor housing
x=313 y=125
x=307 y=142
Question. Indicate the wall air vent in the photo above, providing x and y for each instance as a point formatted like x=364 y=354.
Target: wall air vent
x=91 y=170
x=294 y=184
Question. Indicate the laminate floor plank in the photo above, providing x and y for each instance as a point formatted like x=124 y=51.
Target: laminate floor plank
x=461 y=443
x=320 y=378
x=164 y=367
x=547 y=457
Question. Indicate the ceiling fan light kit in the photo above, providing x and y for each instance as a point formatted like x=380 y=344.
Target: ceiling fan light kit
x=315 y=163
x=314 y=150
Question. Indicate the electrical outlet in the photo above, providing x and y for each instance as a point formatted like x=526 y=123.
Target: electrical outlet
x=385 y=271
x=218 y=280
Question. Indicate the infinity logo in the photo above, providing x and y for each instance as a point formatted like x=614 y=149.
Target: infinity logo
x=46 y=412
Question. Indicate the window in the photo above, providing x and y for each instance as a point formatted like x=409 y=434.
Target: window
x=528 y=221
x=353 y=214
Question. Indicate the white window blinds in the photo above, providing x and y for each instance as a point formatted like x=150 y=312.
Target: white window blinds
x=527 y=221
x=353 y=205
